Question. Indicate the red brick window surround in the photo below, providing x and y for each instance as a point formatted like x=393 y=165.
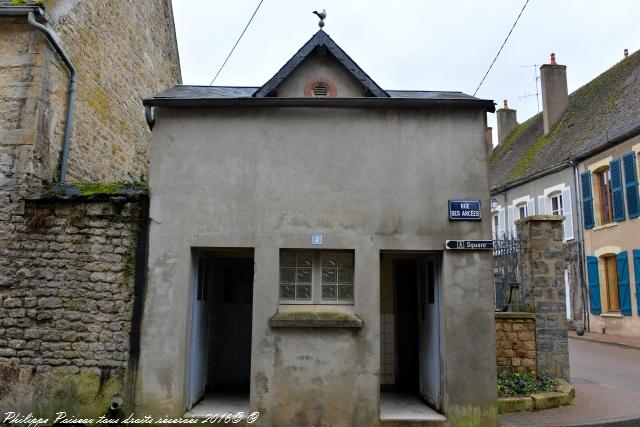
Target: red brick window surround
x=320 y=87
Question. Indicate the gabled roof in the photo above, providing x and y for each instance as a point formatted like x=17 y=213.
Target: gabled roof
x=234 y=96
x=321 y=39
x=599 y=113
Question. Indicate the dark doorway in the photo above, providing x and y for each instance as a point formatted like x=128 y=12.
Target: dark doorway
x=410 y=321
x=406 y=309
x=231 y=351
x=222 y=295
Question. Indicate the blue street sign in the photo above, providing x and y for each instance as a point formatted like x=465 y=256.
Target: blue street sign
x=464 y=210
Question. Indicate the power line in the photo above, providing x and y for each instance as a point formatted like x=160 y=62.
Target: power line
x=237 y=41
x=500 y=50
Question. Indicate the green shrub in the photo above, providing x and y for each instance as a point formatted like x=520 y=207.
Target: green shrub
x=512 y=383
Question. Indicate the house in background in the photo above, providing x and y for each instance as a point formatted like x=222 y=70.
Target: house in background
x=579 y=158
x=530 y=174
x=296 y=262
x=608 y=169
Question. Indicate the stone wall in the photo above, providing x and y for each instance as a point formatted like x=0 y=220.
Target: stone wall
x=542 y=273
x=66 y=306
x=123 y=52
x=516 y=341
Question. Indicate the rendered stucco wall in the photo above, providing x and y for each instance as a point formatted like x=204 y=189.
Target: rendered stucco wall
x=370 y=180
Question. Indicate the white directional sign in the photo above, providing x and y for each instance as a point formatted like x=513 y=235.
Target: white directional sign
x=469 y=245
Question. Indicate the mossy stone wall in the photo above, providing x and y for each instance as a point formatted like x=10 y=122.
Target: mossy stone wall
x=66 y=305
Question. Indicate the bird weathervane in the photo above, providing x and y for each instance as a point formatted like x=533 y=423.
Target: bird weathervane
x=322 y=15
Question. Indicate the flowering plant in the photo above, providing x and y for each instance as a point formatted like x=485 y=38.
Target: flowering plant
x=513 y=383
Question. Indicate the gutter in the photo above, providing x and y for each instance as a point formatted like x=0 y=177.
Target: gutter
x=488 y=105
x=530 y=178
x=634 y=131
x=17 y=10
x=31 y=13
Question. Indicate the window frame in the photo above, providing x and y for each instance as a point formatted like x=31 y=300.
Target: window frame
x=602 y=178
x=519 y=207
x=316 y=278
x=558 y=196
x=611 y=281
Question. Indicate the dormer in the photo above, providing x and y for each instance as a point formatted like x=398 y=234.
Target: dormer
x=320 y=69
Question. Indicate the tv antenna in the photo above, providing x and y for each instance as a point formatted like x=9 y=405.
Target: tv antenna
x=536 y=79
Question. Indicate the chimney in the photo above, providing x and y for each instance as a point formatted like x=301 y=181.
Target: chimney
x=626 y=53
x=555 y=96
x=506 y=122
x=489 y=139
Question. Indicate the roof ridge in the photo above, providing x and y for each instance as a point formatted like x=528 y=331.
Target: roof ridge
x=321 y=38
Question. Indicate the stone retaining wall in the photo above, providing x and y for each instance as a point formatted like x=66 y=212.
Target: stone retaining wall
x=67 y=305
x=516 y=341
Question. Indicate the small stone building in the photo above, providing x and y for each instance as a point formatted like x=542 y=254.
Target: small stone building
x=296 y=255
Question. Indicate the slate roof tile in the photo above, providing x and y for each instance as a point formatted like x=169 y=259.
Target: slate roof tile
x=598 y=112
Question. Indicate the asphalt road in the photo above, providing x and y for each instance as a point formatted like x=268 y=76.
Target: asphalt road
x=607 y=383
x=604 y=364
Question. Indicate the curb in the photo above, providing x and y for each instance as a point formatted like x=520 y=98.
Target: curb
x=613 y=343
x=563 y=395
x=626 y=422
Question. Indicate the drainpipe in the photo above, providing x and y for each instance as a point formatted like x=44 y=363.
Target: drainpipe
x=71 y=97
x=578 y=198
x=149 y=116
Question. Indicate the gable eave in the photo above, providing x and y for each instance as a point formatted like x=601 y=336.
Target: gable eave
x=321 y=39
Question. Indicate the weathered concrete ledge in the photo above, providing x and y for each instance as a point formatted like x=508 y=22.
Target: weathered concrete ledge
x=562 y=396
x=315 y=319
x=105 y=191
x=514 y=315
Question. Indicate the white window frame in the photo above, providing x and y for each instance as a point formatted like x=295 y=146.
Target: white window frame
x=564 y=191
x=498 y=232
x=558 y=197
x=316 y=279
x=529 y=204
x=519 y=208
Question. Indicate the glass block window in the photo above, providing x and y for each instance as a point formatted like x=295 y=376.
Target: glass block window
x=337 y=276
x=316 y=277
x=296 y=275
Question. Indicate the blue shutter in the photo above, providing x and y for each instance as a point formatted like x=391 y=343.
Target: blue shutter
x=636 y=272
x=594 y=284
x=616 y=190
x=587 y=201
x=623 y=283
x=631 y=184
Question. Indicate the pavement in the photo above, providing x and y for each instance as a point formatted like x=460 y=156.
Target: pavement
x=605 y=371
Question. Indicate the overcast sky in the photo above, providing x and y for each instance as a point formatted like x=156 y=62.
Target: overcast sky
x=413 y=44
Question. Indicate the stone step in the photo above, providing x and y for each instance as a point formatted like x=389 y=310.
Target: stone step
x=407 y=410
x=414 y=423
